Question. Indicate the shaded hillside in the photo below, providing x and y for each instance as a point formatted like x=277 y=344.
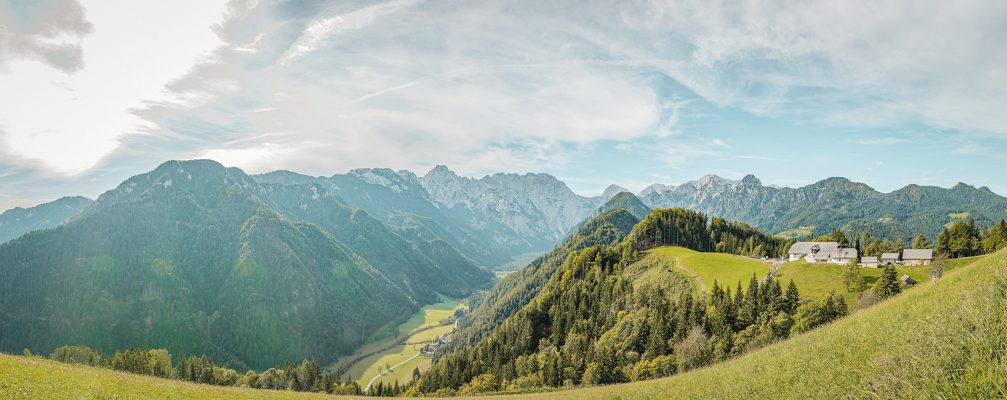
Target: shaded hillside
x=197 y=258
x=18 y=221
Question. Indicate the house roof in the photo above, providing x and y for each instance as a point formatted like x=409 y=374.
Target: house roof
x=869 y=259
x=822 y=256
x=845 y=253
x=890 y=256
x=908 y=279
x=807 y=247
x=918 y=254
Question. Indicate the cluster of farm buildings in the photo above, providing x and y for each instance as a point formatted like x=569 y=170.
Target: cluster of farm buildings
x=833 y=253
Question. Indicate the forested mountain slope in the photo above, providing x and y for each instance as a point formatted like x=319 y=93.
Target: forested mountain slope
x=517 y=289
x=18 y=221
x=605 y=313
x=936 y=340
x=832 y=203
x=199 y=258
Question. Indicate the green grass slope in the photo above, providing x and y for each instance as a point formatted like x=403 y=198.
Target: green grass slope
x=39 y=378
x=943 y=340
x=705 y=268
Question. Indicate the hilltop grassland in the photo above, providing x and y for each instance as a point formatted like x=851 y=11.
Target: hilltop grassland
x=943 y=340
x=705 y=268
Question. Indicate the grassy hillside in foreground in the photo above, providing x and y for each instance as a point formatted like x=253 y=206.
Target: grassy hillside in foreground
x=39 y=378
x=933 y=341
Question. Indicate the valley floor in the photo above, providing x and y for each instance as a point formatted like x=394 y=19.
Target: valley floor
x=399 y=346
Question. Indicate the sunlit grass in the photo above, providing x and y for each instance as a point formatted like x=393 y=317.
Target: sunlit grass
x=726 y=269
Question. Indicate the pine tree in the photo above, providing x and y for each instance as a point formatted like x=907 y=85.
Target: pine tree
x=889 y=284
x=793 y=298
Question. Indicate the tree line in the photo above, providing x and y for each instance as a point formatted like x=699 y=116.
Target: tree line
x=307 y=376
x=686 y=228
x=962 y=238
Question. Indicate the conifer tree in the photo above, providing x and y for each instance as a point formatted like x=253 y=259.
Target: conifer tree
x=889 y=284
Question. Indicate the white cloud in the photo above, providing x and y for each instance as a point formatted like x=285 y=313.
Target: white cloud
x=47 y=31
x=321 y=87
x=67 y=123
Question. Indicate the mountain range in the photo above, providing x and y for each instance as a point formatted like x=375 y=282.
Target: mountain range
x=833 y=203
x=257 y=269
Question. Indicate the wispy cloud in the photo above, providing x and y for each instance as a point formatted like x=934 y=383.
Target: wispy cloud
x=323 y=29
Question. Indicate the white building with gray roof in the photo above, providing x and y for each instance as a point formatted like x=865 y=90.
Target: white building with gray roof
x=913 y=257
x=821 y=252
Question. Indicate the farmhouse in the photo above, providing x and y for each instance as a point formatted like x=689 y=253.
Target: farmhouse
x=869 y=262
x=821 y=252
x=889 y=258
x=914 y=257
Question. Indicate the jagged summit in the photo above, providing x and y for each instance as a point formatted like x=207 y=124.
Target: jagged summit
x=613 y=190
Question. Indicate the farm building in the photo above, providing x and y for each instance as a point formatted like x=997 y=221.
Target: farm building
x=869 y=262
x=889 y=258
x=821 y=252
x=914 y=257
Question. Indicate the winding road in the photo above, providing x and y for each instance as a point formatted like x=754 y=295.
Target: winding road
x=387 y=371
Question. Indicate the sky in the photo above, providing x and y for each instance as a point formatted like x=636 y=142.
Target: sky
x=594 y=92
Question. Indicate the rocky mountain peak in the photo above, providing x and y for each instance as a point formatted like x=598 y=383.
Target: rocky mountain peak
x=613 y=190
x=655 y=188
x=751 y=180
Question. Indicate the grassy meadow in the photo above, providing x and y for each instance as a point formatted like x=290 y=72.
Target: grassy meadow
x=705 y=268
x=816 y=280
x=796 y=233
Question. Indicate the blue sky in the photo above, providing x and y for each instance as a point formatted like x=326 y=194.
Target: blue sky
x=631 y=93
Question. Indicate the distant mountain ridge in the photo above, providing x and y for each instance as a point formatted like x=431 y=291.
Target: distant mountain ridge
x=18 y=221
x=832 y=203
